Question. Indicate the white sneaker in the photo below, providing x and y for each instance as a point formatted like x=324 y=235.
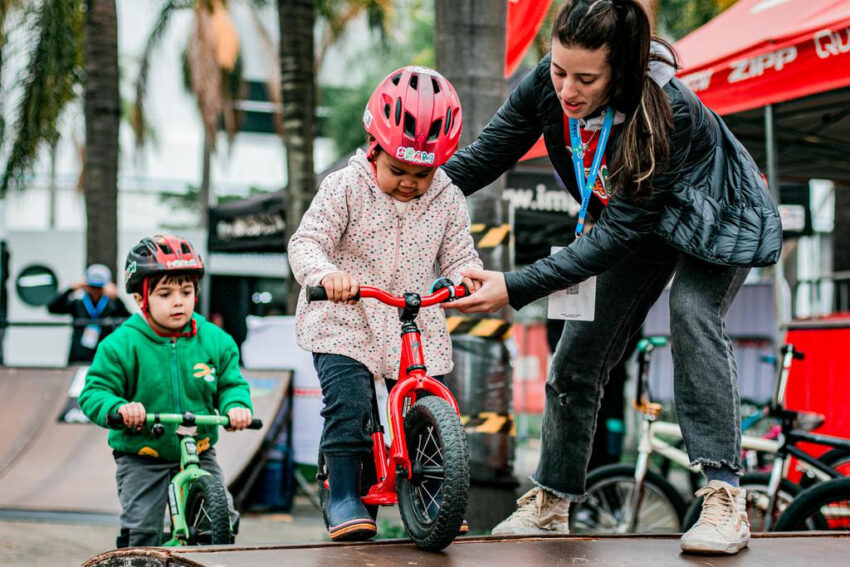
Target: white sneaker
x=722 y=526
x=538 y=512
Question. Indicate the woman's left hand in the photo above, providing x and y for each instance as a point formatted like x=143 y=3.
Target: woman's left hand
x=492 y=293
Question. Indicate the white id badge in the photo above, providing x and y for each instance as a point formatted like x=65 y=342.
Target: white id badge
x=577 y=302
x=91 y=334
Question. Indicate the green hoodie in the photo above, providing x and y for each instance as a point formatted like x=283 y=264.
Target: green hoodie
x=198 y=374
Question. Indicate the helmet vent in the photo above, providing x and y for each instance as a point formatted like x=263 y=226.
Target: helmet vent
x=414 y=82
x=387 y=111
x=165 y=248
x=409 y=125
x=436 y=85
x=185 y=248
x=396 y=78
x=398 y=111
x=435 y=129
x=448 y=120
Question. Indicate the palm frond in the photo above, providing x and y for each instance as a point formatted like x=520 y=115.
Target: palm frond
x=54 y=70
x=160 y=27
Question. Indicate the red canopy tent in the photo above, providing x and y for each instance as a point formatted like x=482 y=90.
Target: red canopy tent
x=761 y=52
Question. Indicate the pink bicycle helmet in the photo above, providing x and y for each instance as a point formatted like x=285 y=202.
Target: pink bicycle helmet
x=415 y=116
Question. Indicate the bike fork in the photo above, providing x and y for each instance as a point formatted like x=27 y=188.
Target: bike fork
x=641 y=466
x=773 y=490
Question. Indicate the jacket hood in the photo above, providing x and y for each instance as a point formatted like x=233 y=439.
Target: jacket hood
x=361 y=164
x=139 y=323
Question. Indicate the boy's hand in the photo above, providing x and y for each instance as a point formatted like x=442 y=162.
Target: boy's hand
x=340 y=287
x=134 y=415
x=240 y=418
x=471 y=285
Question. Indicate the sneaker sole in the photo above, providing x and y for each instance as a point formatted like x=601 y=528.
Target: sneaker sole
x=710 y=548
x=528 y=531
x=354 y=530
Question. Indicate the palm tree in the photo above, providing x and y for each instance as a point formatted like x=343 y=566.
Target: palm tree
x=103 y=117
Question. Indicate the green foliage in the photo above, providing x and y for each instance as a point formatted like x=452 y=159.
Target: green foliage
x=346 y=104
x=677 y=18
x=54 y=74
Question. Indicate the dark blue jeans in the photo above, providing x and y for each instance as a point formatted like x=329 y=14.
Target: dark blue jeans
x=347 y=395
x=705 y=375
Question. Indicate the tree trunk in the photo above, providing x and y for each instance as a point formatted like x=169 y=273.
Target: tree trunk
x=103 y=114
x=469 y=38
x=297 y=19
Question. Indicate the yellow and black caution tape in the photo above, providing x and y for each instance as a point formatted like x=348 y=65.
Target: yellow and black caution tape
x=490 y=235
x=489 y=422
x=485 y=328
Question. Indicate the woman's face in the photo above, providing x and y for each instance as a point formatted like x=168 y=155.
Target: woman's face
x=580 y=77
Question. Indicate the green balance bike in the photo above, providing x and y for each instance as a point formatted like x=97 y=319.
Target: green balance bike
x=197 y=500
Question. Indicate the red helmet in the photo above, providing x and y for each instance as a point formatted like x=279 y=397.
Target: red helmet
x=158 y=255
x=415 y=116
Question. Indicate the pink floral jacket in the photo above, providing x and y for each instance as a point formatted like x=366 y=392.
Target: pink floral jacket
x=354 y=227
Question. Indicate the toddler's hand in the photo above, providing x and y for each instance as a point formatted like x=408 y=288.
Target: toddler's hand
x=240 y=418
x=471 y=285
x=340 y=286
x=134 y=415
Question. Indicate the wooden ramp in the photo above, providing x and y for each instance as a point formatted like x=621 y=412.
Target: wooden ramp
x=780 y=550
x=50 y=465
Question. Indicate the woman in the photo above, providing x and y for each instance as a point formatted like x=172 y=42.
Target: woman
x=676 y=196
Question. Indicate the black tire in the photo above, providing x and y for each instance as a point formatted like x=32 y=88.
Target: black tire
x=756 y=485
x=433 y=502
x=207 y=515
x=368 y=477
x=609 y=492
x=822 y=507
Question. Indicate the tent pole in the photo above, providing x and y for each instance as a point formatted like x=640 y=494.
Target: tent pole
x=781 y=290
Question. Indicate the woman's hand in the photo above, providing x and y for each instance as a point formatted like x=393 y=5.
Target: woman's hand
x=340 y=286
x=491 y=294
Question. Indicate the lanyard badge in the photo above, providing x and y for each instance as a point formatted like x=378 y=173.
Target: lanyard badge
x=585 y=184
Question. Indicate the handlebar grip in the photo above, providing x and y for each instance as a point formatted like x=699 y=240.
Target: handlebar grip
x=256 y=424
x=115 y=421
x=316 y=293
x=799 y=355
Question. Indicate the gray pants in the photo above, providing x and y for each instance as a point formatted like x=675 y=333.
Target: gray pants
x=705 y=375
x=143 y=493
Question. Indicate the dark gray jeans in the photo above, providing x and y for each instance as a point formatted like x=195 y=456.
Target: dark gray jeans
x=347 y=395
x=705 y=374
x=143 y=493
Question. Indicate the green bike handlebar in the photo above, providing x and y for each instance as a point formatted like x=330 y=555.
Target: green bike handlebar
x=651 y=342
x=188 y=419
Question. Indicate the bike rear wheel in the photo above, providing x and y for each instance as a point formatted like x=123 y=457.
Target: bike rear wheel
x=825 y=506
x=610 y=490
x=757 y=501
x=432 y=503
x=207 y=515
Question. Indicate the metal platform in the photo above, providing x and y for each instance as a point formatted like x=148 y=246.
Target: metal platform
x=773 y=550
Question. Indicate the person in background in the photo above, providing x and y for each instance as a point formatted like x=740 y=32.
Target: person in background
x=95 y=310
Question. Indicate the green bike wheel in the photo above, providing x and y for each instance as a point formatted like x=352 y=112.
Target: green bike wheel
x=206 y=513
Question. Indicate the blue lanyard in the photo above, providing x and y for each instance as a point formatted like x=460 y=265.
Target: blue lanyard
x=94 y=312
x=585 y=185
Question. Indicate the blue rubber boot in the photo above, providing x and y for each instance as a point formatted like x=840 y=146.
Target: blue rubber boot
x=348 y=519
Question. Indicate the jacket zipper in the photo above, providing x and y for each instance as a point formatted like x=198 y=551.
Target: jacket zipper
x=175 y=384
x=398 y=229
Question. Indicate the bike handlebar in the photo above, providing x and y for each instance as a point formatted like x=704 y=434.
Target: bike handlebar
x=318 y=293
x=116 y=420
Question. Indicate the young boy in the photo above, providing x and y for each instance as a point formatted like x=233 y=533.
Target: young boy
x=168 y=359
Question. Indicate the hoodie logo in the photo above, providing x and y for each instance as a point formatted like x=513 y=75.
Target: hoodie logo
x=204 y=371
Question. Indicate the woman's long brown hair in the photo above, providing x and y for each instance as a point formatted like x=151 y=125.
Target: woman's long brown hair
x=623 y=27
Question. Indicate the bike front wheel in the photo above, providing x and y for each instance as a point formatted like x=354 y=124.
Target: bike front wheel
x=610 y=493
x=433 y=501
x=825 y=506
x=207 y=515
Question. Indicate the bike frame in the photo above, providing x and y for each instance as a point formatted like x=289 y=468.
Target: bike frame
x=412 y=379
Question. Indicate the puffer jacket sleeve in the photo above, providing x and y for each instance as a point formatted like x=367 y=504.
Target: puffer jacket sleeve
x=506 y=138
x=622 y=224
x=457 y=250
x=320 y=231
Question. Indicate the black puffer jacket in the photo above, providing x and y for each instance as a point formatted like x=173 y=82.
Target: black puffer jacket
x=711 y=201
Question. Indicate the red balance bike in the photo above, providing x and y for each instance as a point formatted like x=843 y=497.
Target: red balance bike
x=426 y=471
